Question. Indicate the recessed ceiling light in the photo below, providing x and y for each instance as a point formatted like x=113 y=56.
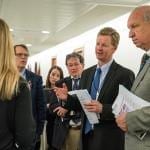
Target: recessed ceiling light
x=28 y=45
x=11 y=29
x=45 y=32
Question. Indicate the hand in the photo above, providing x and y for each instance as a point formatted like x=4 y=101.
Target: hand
x=121 y=122
x=94 y=106
x=61 y=93
x=60 y=111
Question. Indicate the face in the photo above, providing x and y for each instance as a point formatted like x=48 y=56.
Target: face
x=54 y=76
x=21 y=57
x=139 y=30
x=104 y=48
x=74 y=67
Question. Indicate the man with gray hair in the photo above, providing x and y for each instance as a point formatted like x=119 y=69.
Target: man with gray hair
x=136 y=124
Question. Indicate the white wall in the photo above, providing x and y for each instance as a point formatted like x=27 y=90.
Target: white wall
x=127 y=54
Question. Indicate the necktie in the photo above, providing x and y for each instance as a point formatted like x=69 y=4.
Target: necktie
x=94 y=90
x=95 y=83
x=143 y=62
x=75 y=84
x=73 y=115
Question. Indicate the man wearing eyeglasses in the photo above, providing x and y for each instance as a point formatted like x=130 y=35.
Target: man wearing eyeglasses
x=35 y=85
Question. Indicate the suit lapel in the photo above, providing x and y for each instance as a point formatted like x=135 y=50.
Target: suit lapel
x=140 y=76
x=90 y=78
x=108 y=79
x=69 y=83
x=28 y=77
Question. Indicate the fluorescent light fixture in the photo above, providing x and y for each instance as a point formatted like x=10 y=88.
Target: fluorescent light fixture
x=28 y=45
x=45 y=32
x=11 y=29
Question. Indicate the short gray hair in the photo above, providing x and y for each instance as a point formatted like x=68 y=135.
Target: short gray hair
x=147 y=16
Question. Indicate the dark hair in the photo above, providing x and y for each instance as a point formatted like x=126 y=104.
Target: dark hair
x=21 y=45
x=48 y=84
x=108 y=31
x=75 y=55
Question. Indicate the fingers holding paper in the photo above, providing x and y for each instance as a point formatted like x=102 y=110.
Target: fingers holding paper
x=93 y=106
x=121 y=121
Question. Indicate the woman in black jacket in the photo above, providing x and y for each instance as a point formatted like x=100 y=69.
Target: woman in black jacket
x=55 y=73
x=17 y=127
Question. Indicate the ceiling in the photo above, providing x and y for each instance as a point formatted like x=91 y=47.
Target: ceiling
x=63 y=19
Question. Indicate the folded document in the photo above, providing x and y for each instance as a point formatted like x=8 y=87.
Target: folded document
x=126 y=101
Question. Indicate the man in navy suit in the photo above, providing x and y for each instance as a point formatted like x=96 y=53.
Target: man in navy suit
x=104 y=135
x=35 y=85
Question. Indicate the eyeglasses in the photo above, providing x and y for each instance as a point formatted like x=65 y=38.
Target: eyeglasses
x=22 y=55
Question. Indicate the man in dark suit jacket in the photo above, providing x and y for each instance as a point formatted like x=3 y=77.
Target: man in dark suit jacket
x=75 y=65
x=104 y=135
x=35 y=85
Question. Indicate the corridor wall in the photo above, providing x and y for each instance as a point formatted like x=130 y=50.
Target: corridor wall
x=127 y=54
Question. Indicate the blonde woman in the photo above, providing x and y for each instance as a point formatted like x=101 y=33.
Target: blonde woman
x=16 y=123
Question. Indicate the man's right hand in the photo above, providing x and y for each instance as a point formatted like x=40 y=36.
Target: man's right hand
x=60 y=111
x=62 y=93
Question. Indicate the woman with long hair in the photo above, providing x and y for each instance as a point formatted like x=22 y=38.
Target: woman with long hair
x=16 y=121
x=55 y=73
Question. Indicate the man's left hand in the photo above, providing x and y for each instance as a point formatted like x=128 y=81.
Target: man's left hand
x=121 y=122
x=93 y=106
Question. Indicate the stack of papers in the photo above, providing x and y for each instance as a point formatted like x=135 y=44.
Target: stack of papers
x=127 y=102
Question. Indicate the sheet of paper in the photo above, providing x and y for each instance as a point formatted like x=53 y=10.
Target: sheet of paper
x=84 y=97
x=126 y=101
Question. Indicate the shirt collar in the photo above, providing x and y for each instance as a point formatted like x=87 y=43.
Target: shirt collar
x=23 y=74
x=77 y=77
x=107 y=65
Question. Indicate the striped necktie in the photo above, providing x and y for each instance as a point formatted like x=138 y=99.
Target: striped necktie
x=75 y=84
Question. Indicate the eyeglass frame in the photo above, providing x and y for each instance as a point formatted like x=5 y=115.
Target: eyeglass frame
x=20 y=55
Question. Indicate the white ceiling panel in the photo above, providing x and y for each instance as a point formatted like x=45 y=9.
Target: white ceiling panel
x=63 y=19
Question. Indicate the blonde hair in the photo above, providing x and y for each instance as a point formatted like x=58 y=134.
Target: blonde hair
x=108 y=31
x=9 y=75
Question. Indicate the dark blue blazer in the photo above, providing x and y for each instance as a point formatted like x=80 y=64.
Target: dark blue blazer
x=38 y=101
